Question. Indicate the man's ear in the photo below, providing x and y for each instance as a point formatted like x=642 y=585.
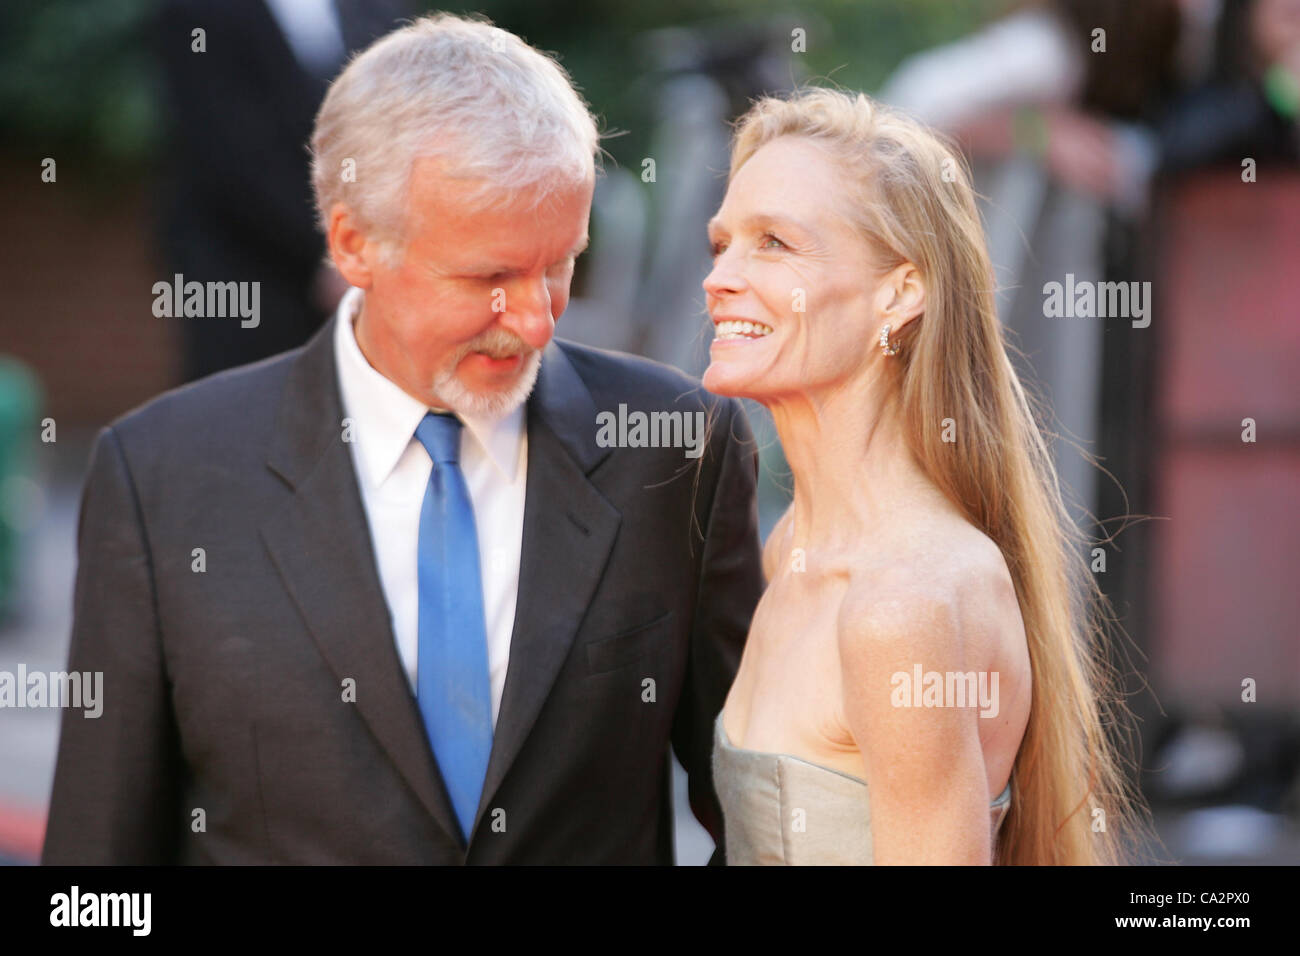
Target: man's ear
x=901 y=297
x=353 y=254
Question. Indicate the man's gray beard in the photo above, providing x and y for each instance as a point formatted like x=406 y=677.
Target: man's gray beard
x=455 y=395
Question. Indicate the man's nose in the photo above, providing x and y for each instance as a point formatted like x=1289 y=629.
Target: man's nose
x=528 y=312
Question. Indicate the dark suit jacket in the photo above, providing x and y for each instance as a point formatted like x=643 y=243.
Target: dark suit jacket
x=223 y=689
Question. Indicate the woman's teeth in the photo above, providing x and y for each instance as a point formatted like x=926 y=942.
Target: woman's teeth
x=741 y=330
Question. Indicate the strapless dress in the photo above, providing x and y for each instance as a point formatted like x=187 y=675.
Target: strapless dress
x=782 y=810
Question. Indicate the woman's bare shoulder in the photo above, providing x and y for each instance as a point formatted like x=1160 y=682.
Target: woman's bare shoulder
x=939 y=584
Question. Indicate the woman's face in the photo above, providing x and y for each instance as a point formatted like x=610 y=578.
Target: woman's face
x=788 y=263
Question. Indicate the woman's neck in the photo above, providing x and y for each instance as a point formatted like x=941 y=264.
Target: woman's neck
x=850 y=460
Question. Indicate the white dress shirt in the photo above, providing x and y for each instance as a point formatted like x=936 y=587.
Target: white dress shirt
x=393 y=471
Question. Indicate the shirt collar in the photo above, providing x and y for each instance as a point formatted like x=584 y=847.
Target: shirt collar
x=385 y=416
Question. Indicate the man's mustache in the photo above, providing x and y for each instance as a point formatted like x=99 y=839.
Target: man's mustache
x=498 y=343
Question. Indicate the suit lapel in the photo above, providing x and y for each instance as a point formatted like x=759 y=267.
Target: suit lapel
x=569 y=531
x=320 y=545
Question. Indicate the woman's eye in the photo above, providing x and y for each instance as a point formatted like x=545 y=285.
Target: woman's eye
x=769 y=238
x=718 y=248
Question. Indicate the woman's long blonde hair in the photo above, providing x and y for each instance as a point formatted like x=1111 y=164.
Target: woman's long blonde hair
x=910 y=193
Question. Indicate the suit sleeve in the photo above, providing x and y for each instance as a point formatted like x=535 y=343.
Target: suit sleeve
x=116 y=782
x=730 y=584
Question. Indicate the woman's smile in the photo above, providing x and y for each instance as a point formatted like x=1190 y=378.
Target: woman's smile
x=739 y=330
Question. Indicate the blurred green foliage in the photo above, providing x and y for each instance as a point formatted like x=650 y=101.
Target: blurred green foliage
x=76 y=74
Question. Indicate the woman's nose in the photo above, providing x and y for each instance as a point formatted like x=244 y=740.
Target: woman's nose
x=724 y=277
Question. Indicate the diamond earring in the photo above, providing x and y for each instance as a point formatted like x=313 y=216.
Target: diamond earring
x=884 y=342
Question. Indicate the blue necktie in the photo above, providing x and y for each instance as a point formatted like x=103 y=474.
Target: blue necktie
x=452 y=685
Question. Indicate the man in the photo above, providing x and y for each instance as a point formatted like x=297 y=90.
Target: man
x=392 y=597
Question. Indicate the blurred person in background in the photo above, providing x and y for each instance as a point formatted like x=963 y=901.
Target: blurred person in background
x=235 y=201
x=1250 y=105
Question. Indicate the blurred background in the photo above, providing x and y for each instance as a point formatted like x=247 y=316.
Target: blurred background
x=1163 y=149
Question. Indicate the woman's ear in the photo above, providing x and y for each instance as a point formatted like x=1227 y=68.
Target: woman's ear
x=901 y=297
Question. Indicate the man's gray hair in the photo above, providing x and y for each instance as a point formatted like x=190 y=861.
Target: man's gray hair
x=494 y=109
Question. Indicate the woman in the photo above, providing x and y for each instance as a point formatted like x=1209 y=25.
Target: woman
x=922 y=638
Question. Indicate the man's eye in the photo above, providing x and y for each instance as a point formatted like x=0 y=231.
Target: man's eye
x=717 y=249
x=769 y=238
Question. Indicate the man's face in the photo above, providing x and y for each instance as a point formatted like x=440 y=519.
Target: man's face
x=461 y=322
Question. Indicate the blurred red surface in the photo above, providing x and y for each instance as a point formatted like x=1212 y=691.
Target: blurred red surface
x=1226 y=596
